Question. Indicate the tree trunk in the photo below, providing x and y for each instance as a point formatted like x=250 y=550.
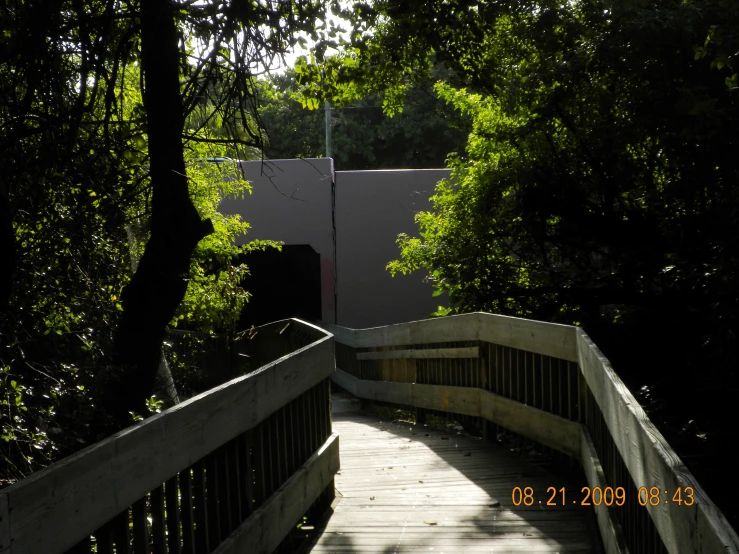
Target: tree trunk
x=159 y=284
x=165 y=383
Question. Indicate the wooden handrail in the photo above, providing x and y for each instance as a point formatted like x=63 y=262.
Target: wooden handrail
x=516 y=350
x=652 y=462
x=539 y=337
x=54 y=509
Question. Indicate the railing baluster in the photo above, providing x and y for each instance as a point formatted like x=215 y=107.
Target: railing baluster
x=140 y=527
x=200 y=500
x=274 y=460
x=310 y=429
x=247 y=496
x=121 y=533
x=280 y=450
x=159 y=536
x=525 y=378
x=171 y=492
x=551 y=386
x=212 y=500
x=223 y=479
x=104 y=539
x=236 y=475
x=265 y=470
x=195 y=509
x=187 y=515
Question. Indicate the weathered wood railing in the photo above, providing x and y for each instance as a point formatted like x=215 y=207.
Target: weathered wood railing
x=551 y=384
x=201 y=361
x=233 y=469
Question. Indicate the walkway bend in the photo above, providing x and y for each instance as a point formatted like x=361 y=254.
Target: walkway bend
x=404 y=488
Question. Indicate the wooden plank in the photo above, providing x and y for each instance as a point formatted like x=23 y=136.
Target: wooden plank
x=651 y=462
x=551 y=339
x=545 y=428
x=610 y=530
x=263 y=531
x=54 y=508
x=458 y=400
x=539 y=337
x=422 y=353
x=344 y=335
x=442 y=493
x=345 y=381
x=386 y=391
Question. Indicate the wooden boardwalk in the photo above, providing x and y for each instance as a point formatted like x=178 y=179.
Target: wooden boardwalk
x=404 y=488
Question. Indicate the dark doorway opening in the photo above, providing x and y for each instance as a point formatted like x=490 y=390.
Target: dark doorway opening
x=283 y=284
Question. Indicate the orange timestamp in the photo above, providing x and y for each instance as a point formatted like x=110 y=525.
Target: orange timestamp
x=602 y=496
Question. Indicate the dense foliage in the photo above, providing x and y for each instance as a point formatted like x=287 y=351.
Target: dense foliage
x=91 y=202
x=599 y=183
x=362 y=135
x=598 y=186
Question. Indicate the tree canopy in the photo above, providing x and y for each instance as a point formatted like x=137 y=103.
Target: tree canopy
x=106 y=108
x=362 y=135
x=599 y=182
x=598 y=185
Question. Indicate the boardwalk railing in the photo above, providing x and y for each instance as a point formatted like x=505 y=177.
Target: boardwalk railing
x=201 y=361
x=551 y=384
x=233 y=469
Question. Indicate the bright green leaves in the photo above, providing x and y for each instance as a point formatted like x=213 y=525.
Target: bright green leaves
x=214 y=296
x=310 y=103
x=394 y=99
x=337 y=79
x=588 y=130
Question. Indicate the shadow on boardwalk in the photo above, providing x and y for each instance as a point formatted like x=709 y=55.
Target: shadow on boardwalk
x=405 y=488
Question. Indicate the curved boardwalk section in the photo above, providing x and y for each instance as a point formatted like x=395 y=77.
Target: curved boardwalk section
x=405 y=488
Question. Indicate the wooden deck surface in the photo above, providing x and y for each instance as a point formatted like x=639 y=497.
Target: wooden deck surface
x=405 y=488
